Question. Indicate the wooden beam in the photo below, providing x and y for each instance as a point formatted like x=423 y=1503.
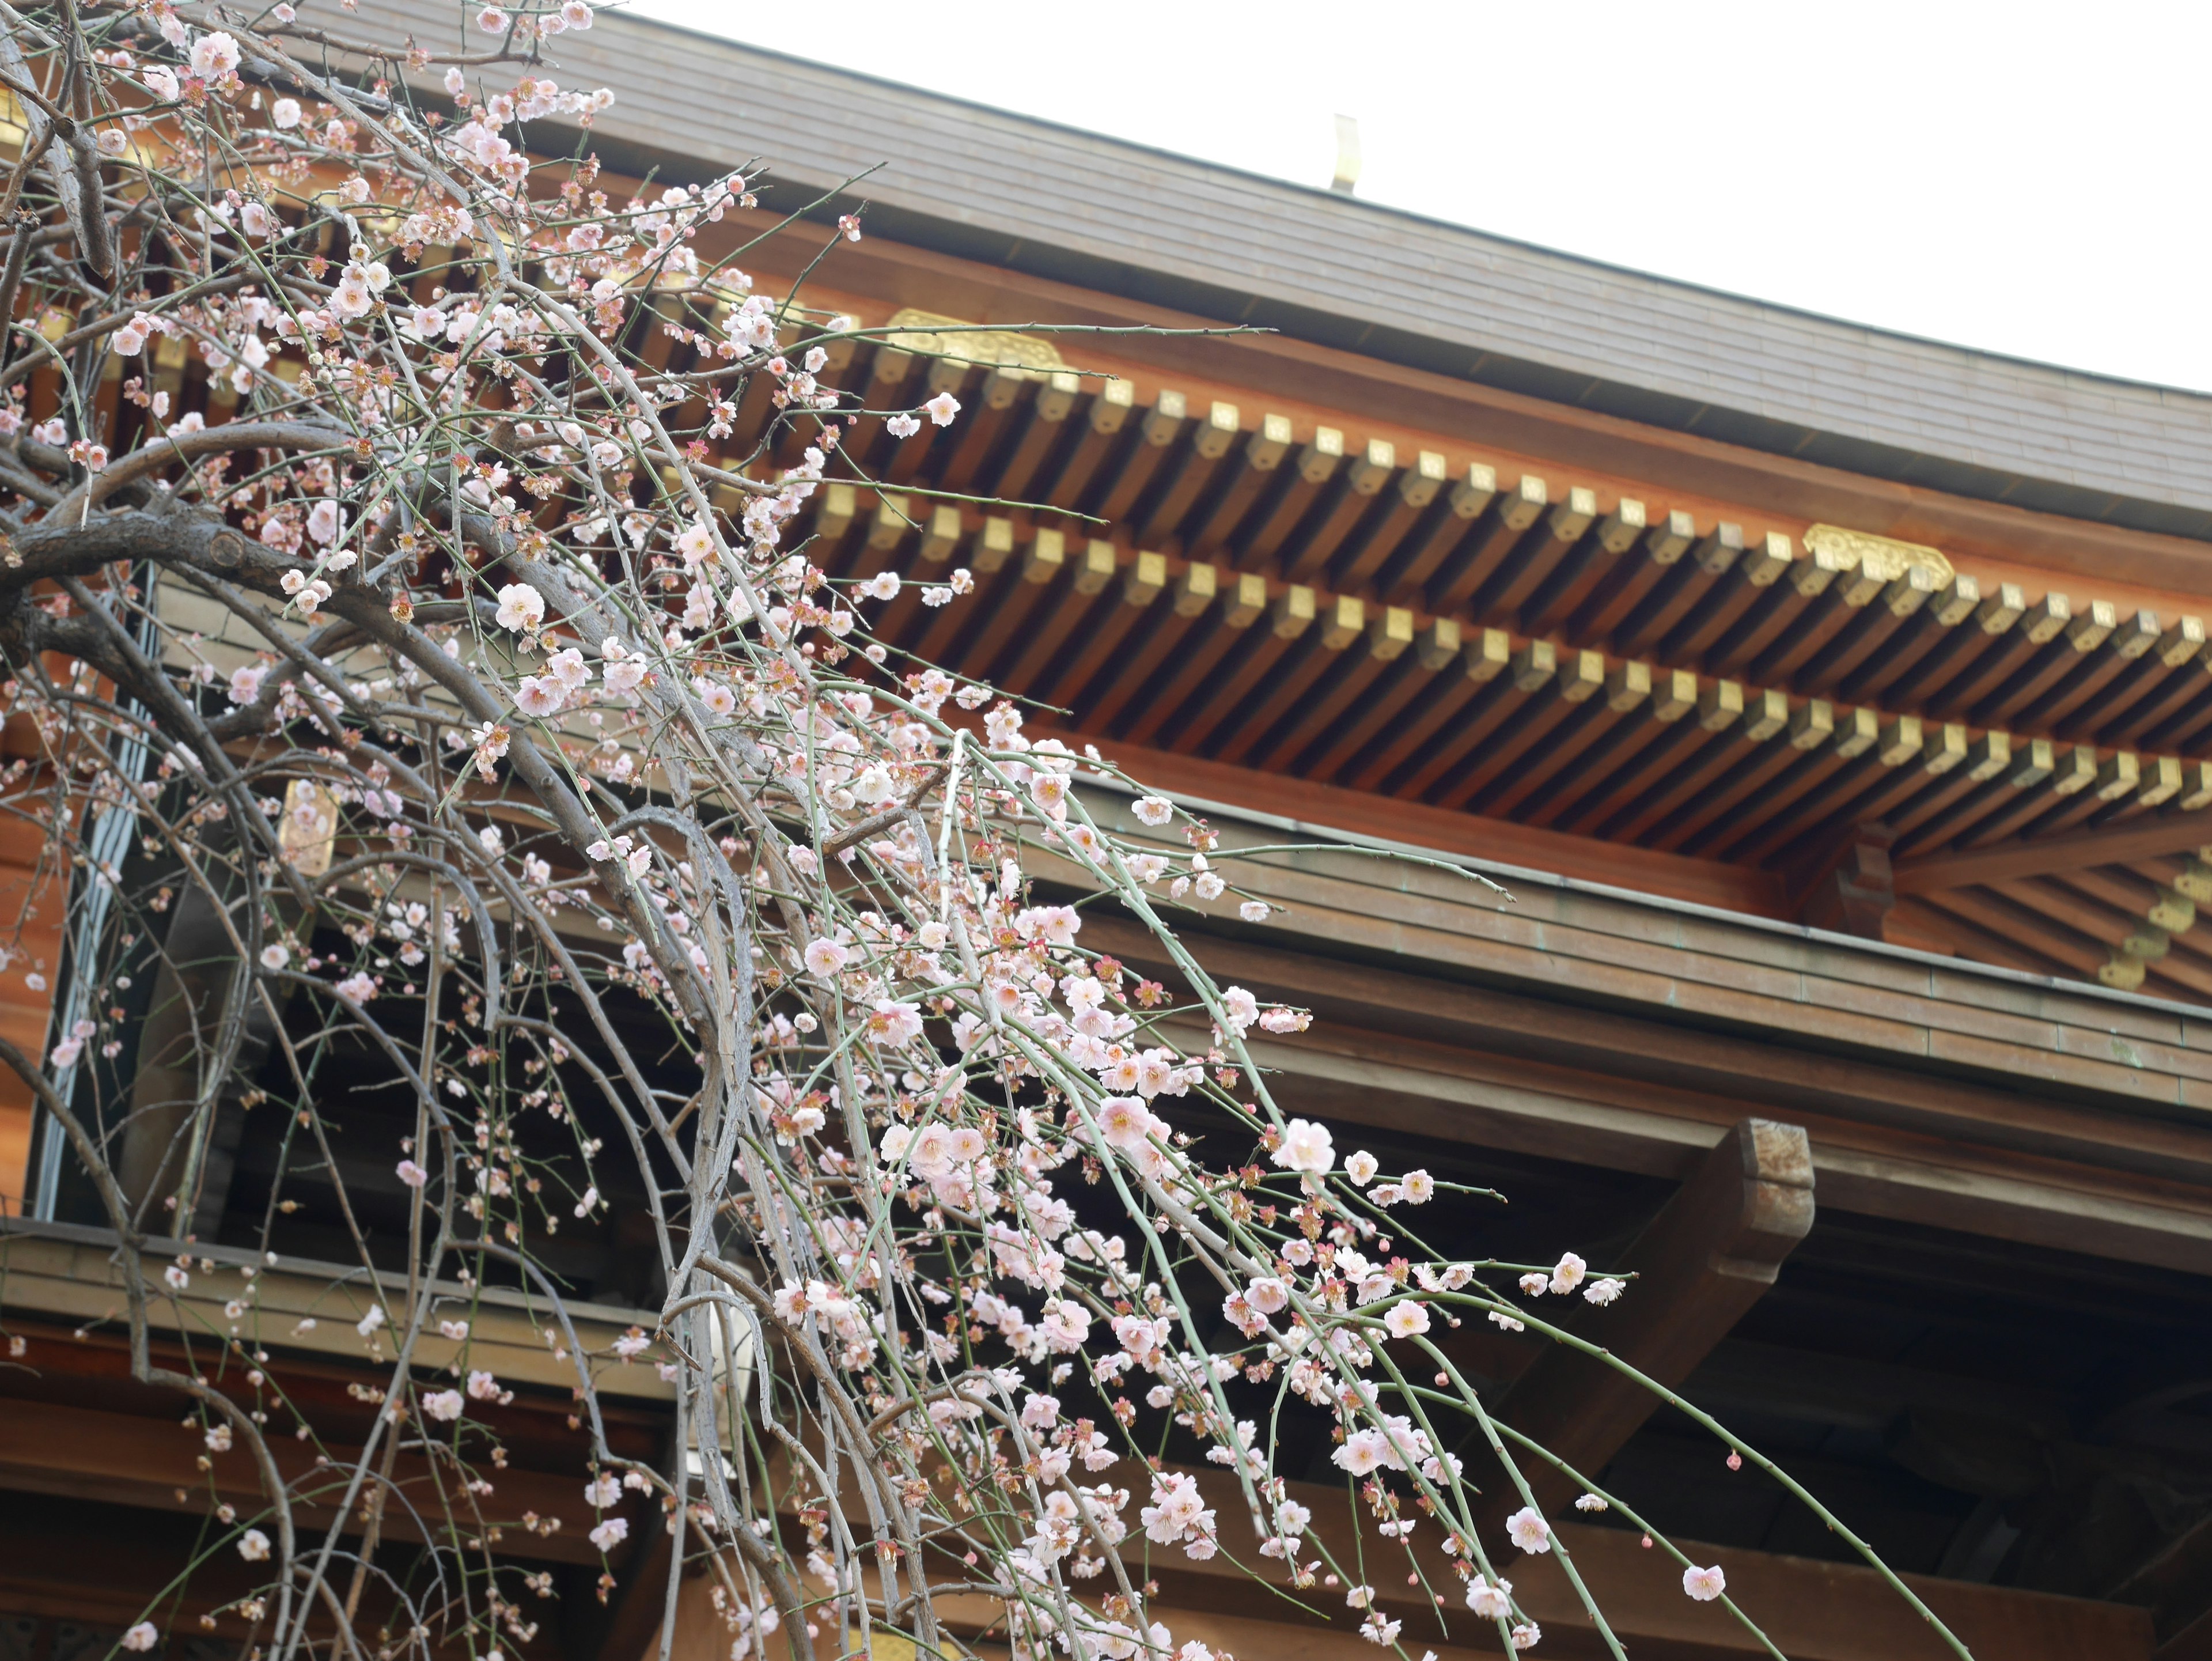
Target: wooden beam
x=2026 y=921
x=69 y=1273
x=1818 y=1612
x=1404 y=1053
x=131 y=1460
x=2175 y=1585
x=1961 y=938
x=1699 y=1266
x=2191 y=1643
x=1814 y=1611
x=2141 y=839
x=1968 y=1057
x=1704 y=882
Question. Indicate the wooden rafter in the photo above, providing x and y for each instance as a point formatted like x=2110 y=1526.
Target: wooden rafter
x=2141 y=838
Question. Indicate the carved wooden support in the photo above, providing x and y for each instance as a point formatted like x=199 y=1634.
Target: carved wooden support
x=1853 y=889
x=1700 y=1264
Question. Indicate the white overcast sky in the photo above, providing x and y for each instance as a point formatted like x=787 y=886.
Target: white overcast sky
x=2024 y=178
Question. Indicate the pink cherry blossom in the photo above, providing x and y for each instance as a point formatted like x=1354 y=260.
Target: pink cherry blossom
x=1703 y=1584
x=214 y=55
x=443 y=1404
x=1529 y=1530
x=522 y=607
x=1304 y=1147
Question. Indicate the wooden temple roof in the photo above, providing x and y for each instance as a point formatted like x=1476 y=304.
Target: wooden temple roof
x=1495 y=550
x=1471 y=654
x=1432 y=631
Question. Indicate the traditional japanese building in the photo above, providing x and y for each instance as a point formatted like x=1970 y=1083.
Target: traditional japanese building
x=1834 y=706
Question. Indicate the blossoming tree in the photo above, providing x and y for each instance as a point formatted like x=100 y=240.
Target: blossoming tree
x=550 y=756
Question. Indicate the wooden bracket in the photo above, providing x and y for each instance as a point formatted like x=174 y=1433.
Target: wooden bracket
x=1851 y=890
x=1699 y=1265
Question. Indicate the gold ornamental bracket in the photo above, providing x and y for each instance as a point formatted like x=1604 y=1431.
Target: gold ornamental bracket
x=1883 y=559
x=930 y=335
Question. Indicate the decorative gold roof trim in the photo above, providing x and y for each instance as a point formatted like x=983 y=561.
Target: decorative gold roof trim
x=932 y=336
x=1883 y=558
